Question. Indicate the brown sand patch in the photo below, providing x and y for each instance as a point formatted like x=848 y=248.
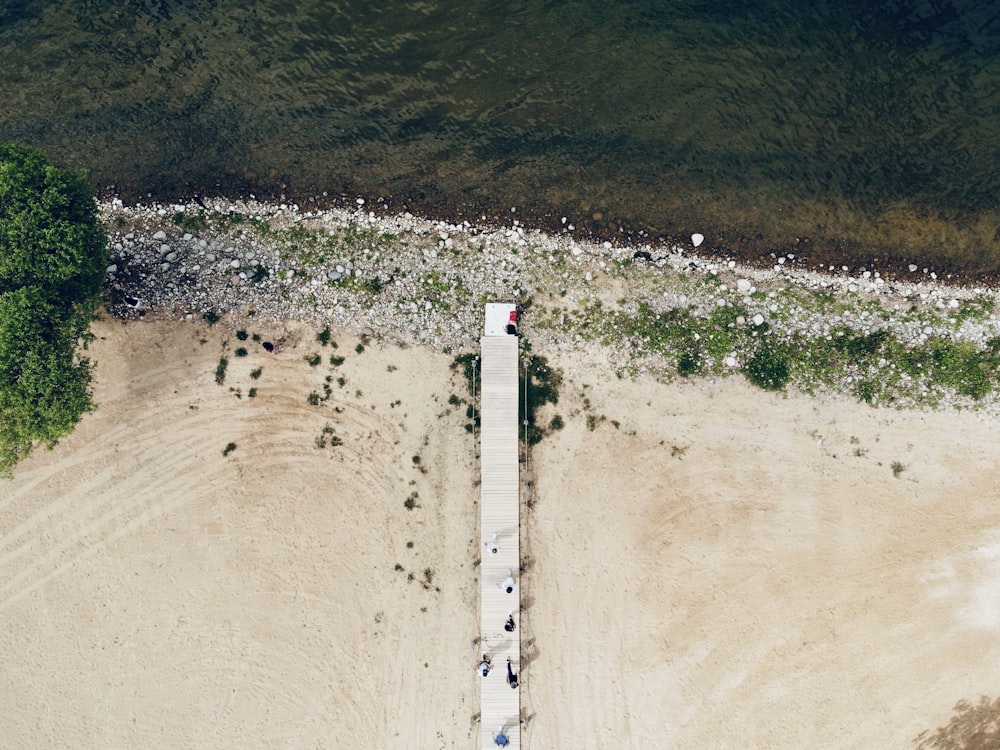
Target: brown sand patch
x=727 y=568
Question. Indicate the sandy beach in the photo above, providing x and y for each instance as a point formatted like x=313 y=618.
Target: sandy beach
x=708 y=565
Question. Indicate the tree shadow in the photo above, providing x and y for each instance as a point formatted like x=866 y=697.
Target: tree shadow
x=975 y=726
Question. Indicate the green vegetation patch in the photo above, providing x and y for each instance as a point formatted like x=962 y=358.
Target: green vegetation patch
x=53 y=259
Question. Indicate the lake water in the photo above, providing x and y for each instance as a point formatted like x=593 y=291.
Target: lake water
x=838 y=129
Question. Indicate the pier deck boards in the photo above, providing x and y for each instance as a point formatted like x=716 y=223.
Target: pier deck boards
x=500 y=705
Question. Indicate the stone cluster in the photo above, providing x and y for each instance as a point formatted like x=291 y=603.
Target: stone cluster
x=404 y=278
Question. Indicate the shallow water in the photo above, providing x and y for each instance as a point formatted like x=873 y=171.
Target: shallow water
x=839 y=129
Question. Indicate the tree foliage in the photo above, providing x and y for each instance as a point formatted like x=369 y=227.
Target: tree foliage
x=53 y=256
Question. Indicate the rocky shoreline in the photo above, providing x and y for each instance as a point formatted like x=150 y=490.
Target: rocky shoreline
x=407 y=279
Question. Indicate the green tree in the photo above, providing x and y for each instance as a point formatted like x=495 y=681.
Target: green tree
x=53 y=256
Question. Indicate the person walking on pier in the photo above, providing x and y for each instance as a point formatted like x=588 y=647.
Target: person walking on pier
x=508 y=585
x=509 y=626
x=493 y=545
x=511 y=677
x=485 y=665
x=500 y=739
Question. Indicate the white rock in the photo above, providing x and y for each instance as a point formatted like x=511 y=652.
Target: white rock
x=697 y=238
x=235 y=263
x=744 y=285
x=588 y=276
x=170 y=257
x=112 y=270
x=953 y=304
x=730 y=361
x=161 y=235
x=758 y=319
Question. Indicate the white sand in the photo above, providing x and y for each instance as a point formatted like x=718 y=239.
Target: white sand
x=727 y=568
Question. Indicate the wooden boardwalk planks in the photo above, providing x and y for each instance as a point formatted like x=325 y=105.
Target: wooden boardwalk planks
x=500 y=705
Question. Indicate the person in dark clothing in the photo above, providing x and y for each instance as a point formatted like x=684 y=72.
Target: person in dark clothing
x=511 y=677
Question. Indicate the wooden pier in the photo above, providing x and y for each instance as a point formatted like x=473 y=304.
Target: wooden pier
x=500 y=704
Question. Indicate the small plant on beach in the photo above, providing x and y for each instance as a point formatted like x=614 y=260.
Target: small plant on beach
x=241 y=352
x=313 y=359
x=336 y=361
x=192 y=222
x=230 y=447
x=416 y=460
x=359 y=348
x=323 y=337
x=556 y=423
x=767 y=369
x=211 y=317
x=897 y=468
x=259 y=274
x=690 y=363
x=255 y=373
x=241 y=335
x=328 y=437
x=313 y=399
x=411 y=502
x=252 y=393
x=220 y=370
